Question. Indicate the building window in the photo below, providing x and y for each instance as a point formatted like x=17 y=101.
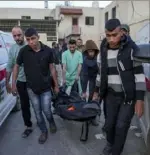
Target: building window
x=25 y=17
x=89 y=20
x=51 y=38
x=114 y=12
x=48 y=18
x=106 y=17
x=6 y=24
x=74 y=21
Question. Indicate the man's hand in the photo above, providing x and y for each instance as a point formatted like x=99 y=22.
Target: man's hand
x=56 y=89
x=14 y=89
x=64 y=81
x=139 y=108
x=95 y=96
x=8 y=88
x=77 y=78
x=84 y=95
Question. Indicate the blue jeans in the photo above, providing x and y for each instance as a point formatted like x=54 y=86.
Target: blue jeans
x=41 y=104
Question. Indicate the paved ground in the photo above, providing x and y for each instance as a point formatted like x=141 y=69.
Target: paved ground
x=64 y=142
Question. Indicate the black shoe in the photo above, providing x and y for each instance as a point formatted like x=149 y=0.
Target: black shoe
x=53 y=128
x=43 y=138
x=107 y=150
x=26 y=133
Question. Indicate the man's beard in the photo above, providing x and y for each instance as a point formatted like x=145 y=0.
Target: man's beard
x=20 y=42
x=72 y=51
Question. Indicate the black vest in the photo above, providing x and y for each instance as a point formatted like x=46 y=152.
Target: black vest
x=124 y=66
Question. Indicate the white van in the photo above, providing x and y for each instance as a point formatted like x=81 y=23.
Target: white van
x=7 y=101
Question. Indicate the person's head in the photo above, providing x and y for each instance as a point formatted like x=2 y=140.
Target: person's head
x=18 y=35
x=125 y=29
x=54 y=44
x=79 y=42
x=91 y=53
x=113 y=32
x=91 y=49
x=32 y=37
x=72 y=45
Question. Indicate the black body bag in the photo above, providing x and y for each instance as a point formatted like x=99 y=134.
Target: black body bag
x=72 y=107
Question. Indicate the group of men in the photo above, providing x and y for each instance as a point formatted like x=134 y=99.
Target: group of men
x=111 y=71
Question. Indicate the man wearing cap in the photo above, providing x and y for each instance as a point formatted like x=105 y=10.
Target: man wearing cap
x=122 y=86
x=125 y=29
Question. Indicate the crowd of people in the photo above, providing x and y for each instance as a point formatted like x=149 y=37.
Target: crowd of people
x=107 y=73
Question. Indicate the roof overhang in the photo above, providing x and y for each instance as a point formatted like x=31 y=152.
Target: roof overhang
x=71 y=11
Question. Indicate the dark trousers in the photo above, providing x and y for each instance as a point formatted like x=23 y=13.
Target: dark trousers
x=119 y=116
x=92 y=83
x=104 y=109
x=25 y=103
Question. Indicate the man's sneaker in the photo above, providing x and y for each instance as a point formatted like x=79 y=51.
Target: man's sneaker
x=53 y=128
x=43 y=138
x=107 y=150
x=27 y=132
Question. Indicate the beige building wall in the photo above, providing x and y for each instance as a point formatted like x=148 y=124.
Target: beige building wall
x=124 y=11
x=65 y=26
x=16 y=13
x=140 y=17
x=43 y=39
x=87 y=31
x=136 y=27
x=134 y=13
x=91 y=31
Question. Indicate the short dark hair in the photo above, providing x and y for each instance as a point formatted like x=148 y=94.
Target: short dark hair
x=53 y=43
x=72 y=41
x=30 y=32
x=112 y=24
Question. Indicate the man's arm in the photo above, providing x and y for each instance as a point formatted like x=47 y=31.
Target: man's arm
x=139 y=75
x=139 y=81
x=14 y=79
x=98 y=79
x=79 y=71
x=64 y=73
x=19 y=62
x=54 y=74
x=9 y=69
x=64 y=67
x=140 y=86
x=53 y=70
x=79 y=66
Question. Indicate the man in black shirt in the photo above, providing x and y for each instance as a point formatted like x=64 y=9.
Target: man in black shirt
x=37 y=60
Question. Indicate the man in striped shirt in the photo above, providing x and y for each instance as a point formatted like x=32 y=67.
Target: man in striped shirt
x=121 y=85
